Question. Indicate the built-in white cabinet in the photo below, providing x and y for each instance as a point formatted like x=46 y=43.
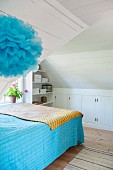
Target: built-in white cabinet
x=60 y=101
x=98 y=111
x=66 y=101
x=74 y=102
x=89 y=109
x=96 y=108
x=105 y=111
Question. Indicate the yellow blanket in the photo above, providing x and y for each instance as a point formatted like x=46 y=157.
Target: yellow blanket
x=54 y=117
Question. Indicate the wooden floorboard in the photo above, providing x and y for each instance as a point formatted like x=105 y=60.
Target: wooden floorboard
x=99 y=139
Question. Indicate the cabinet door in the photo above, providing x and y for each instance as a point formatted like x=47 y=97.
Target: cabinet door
x=105 y=111
x=75 y=102
x=61 y=101
x=89 y=109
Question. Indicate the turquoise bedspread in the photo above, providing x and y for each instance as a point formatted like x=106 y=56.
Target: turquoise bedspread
x=26 y=145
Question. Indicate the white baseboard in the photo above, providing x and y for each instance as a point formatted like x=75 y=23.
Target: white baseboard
x=97 y=126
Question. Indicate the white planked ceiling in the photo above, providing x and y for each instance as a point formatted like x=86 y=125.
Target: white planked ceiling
x=98 y=14
x=89 y=11
x=58 y=22
x=54 y=23
x=86 y=61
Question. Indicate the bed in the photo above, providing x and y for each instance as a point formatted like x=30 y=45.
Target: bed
x=29 y=145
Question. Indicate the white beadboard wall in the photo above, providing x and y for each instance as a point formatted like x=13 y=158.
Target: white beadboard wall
x=72 y=91
x=96 y=92
x=92 y=70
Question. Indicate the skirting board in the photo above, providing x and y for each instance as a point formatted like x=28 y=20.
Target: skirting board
x=97 y=126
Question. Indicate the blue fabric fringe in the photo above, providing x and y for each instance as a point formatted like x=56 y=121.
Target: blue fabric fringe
x=20 y=47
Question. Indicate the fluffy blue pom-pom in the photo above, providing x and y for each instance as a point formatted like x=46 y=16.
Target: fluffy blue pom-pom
x=20 y=47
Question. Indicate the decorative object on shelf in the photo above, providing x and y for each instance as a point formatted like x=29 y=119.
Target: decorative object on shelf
x=20 y=47
x=14 y=93
x=44 y=80
x=47 y=87
x=42 y=90
x=37 y=78
x=43 y=99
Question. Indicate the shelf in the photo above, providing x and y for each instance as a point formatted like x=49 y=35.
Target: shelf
x=43 y=93
x=42 y=82
x=41 y=71
x=36 y=96
x=46 y=103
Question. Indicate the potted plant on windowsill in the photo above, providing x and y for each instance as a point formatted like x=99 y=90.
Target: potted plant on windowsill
x=14 y=93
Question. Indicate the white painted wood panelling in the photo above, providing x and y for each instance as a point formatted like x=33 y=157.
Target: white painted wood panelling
x=98 y=37
x=55 y=24
x=89 y=108
x=70 y=4
x=98 y=14
x=60 y=101
x=96 y=105
x=93 y=8
x=88 y=11
x=92 y=70
x=75 y=102
x=105 y=111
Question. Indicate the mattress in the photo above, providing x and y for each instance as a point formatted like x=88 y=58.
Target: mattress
x=26 y=145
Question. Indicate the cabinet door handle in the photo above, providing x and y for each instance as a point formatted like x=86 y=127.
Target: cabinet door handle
x=55 y=97
x=95 y=100
x=69 y=98
x=95 y=119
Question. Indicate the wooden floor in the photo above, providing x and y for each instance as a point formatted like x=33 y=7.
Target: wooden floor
x=95 y=138
x=99 y=139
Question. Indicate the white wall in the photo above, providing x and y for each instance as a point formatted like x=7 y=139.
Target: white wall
x=92 y=70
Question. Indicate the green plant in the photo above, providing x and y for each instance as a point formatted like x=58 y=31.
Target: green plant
x=14 y=91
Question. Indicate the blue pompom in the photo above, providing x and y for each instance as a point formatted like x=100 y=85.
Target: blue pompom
x=20 y=47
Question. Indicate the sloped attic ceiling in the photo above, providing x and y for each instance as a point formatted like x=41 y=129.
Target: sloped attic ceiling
x=98 y=14
x=55 y=24
x=86 y=61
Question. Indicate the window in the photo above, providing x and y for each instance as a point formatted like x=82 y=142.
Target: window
x=6 y=99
